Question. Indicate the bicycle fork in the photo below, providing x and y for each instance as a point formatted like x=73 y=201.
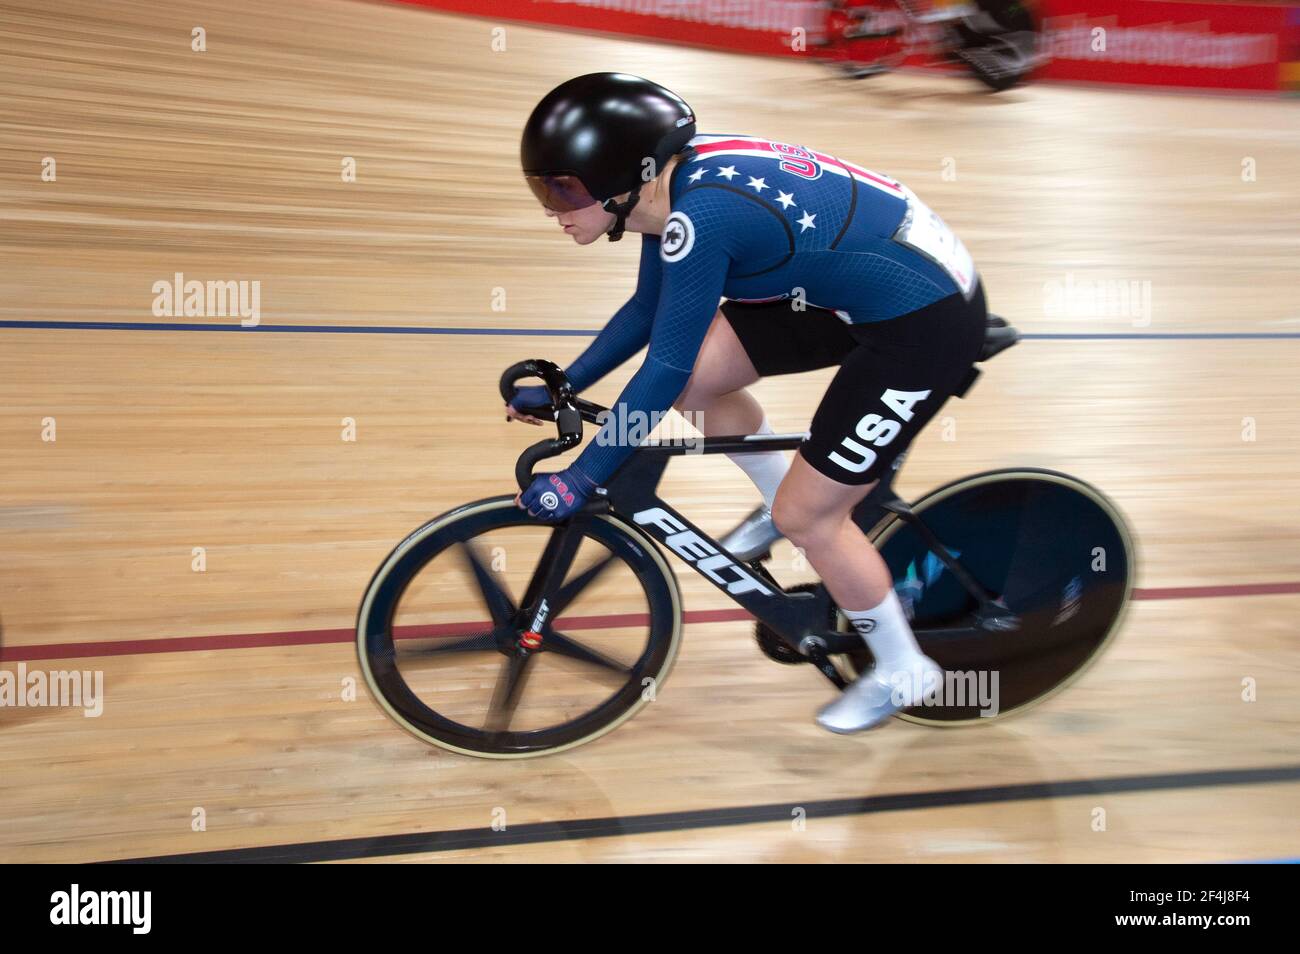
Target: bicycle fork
x=552 y=569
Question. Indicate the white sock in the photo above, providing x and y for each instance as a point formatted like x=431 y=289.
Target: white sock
x=765 y=468
x=885 y=630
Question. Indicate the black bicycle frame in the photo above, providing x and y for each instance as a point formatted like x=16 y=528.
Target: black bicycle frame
x=632 y=493
x=798 y=618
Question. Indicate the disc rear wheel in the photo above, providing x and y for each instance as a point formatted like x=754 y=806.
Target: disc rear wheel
x=1053 y=550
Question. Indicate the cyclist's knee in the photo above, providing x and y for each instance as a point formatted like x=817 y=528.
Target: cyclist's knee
x=693 y=397
x=690 y=394
x=785 y=517
x=807 y=521
x=798 y=522
x=702 y=389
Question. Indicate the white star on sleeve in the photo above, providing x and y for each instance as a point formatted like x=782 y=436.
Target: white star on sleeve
x=728 y=172
x=758 y=185
x=697 y=174
x=806 y=222
x=785 y=198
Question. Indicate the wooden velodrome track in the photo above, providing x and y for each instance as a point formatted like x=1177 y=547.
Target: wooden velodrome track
x=225 y=165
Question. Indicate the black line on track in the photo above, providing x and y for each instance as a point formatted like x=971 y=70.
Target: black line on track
x=540 y=832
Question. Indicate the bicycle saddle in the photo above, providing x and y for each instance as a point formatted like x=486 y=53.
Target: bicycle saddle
x=998 y=336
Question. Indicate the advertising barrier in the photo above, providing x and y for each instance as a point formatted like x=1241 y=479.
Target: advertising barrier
x=1161 y=43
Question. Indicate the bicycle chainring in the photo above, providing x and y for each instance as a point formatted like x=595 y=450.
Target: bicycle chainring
x=774 y=647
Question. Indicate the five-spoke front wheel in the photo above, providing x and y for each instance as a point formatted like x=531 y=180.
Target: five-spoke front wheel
x=450 y=641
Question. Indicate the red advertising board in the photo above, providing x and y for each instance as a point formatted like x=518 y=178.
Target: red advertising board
x=1156 y=43
x=744 y=26
x=1230 y=46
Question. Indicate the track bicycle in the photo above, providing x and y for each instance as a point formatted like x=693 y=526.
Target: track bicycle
x=491 y=633
x=996 y=41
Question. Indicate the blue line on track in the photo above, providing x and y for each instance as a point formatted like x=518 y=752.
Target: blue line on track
x=294 y=329
x=572 y=332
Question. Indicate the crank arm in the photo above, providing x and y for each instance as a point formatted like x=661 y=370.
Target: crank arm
x=834 y=643
x=813 y=648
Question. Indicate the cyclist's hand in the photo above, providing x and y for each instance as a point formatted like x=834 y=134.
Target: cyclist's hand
x=531 y=396
x=556 y=496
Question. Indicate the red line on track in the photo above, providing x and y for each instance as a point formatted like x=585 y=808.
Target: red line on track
x=314 y=637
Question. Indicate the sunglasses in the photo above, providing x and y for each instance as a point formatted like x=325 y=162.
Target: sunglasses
x=560 y=193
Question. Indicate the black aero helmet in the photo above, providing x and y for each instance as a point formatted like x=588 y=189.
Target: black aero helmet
x=589 y=140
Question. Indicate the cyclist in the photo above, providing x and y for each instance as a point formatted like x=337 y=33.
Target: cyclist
x=817 y=262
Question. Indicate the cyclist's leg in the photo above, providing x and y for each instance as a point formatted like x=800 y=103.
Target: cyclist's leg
x=752 y=340
x=715 y=394
x=746 y=341
x=885 y=392
x=887 y=389
x=718 y=404
x=815 y=514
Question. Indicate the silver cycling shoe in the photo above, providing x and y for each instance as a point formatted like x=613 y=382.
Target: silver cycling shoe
x=753 y=539
x=872 y=698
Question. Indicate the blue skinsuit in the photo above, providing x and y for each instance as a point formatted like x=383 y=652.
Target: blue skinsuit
x=753 y=220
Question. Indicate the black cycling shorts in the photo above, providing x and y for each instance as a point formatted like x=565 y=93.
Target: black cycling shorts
x=894 y=375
